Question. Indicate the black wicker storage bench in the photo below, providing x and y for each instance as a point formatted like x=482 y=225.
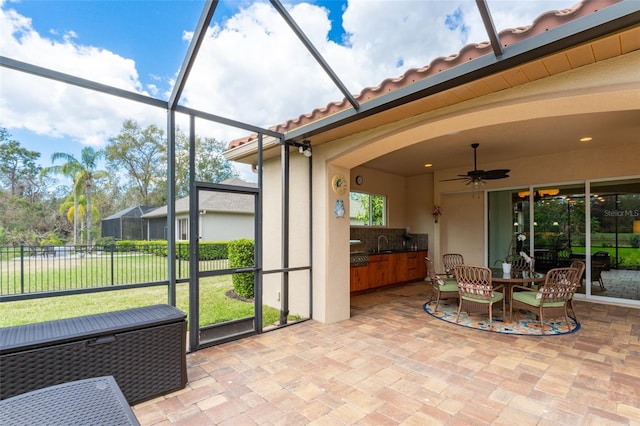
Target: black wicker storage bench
x=144 y=349
x=95 y=401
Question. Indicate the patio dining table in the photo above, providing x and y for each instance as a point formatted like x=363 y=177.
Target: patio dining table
x=498 y=277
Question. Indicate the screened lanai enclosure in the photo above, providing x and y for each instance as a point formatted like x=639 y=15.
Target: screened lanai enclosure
x=286 y=262
x=127 y=224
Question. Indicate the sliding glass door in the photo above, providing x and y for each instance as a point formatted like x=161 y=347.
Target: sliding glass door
x=615 y=239
x=555 y=225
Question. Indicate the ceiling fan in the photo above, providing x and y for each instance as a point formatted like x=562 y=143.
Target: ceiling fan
x=476 y=176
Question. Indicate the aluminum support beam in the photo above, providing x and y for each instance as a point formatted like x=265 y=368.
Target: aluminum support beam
x=192 y=52
x=227 y=121
x=79 y=82
x=314 y=52
x=487 y=20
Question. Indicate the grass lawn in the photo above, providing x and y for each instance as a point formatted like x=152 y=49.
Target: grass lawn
x=215 y=306
x=627 y=256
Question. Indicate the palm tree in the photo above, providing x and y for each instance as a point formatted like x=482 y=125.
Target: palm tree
x=84 y=175
x=71 y=169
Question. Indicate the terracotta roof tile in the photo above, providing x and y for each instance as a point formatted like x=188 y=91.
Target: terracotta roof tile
x=541 y=24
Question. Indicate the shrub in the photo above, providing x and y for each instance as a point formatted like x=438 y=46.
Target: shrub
x=207 y=250
x=241 y=254
x=634 y=241
x=52 y=239
x=213 y=251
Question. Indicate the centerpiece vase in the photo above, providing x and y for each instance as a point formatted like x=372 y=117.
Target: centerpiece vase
x=506 y=268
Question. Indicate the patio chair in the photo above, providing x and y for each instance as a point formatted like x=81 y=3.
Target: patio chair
x=450 y=260
x=552 y=298
x=597 y=266
x=580 y=266
x=442 y=288
x=520 y=264
x=476 y=292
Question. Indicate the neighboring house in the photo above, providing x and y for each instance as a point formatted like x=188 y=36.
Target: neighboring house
x=222 y=216
x=528 y=115
x=127 y=224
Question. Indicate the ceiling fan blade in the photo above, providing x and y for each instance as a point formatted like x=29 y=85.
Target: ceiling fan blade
x=496 y=174
x=460 y=178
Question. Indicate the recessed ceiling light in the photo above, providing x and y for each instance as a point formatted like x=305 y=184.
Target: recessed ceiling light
x=428 y=165
x=586 y=139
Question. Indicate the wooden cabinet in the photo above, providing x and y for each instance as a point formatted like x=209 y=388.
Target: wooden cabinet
x=359 y=278
x=416 y=265
x=387 y=269
x=422 y=264
x=399 y=269
x=379 y=270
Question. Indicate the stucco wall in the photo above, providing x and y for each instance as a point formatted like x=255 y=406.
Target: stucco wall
x=585 y=90
x=299 y=241
x=215 y=226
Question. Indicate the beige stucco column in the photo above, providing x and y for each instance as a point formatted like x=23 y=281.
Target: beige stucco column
x=331 y=299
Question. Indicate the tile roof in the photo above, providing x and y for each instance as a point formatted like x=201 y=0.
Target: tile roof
x=507 y=37
x=215 y=201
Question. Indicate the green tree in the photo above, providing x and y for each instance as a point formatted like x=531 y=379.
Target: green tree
x=139 y=152
x=71 y=168
x=18 y=169
x=84 y=175
x=371 y=208
x=211 y=165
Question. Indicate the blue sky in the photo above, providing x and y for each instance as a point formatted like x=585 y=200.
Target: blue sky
x=250 y=68
x=109 y=24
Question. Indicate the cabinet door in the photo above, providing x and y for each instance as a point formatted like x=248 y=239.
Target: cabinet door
x=398 y=271
x=359 y=277
x=378 y=271
x=421 y=265
x=412 y=271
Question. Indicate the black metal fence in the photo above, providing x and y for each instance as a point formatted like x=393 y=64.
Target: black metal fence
x=31 y=270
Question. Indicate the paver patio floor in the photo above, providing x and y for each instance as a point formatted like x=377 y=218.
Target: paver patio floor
x=391 y=364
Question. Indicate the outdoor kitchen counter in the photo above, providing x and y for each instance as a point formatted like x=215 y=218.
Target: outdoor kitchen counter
x=388 y=267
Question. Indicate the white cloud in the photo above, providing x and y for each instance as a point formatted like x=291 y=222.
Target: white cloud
x=45 y=107
x=250 y=68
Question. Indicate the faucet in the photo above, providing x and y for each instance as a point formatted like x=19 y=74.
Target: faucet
x=382 y=237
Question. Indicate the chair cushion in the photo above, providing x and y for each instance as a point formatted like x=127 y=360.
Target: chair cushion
x=449 y=286
x=496 y=297
x=530 y=298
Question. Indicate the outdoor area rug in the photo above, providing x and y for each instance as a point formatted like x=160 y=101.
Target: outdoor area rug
x=524 y=323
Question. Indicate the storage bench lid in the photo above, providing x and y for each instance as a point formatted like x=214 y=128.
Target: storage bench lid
x=31 y=336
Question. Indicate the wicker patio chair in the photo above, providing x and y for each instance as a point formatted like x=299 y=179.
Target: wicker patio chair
x=446 y=288
x=476 y=292
x=520 y=264
x=597 y=266
x=580 y=266
x=450 y=260
x=552 y=298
